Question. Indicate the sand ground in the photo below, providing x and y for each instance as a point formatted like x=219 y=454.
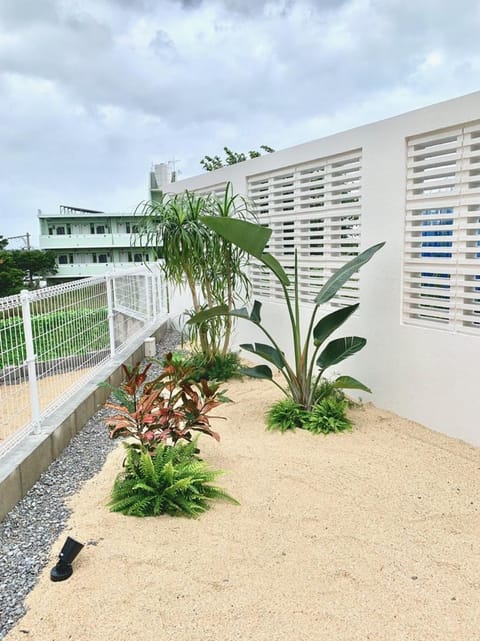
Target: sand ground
x=15 y=398
x=368 y=535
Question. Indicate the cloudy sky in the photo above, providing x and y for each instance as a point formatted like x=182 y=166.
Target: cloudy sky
x=95 y=91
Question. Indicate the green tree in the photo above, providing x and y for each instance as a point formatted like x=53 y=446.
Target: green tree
x=210 y=163
x=20 y=265
x=34 y=262
x=11 y=278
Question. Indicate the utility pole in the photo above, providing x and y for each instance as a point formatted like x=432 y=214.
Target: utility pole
x=24 y=237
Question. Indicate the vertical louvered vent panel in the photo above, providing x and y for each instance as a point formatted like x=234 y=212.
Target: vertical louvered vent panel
x=441 y=284
x=313 y=208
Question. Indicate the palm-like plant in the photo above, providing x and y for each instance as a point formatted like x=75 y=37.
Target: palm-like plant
x=302 y=377
x=172 y=227
x=171 y=481
x=210 y=266
x=226 y=279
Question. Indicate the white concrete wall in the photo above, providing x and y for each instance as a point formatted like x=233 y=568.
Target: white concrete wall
x=429 y=375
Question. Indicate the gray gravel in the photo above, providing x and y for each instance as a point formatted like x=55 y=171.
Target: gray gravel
x=29 y=530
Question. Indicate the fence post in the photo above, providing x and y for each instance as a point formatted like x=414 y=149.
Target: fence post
x=111 y=316
x=31 y=358
x=148 y=296
x=166 y=298
x=153 y=289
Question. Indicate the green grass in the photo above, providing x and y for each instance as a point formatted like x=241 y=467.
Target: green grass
x=55 y=335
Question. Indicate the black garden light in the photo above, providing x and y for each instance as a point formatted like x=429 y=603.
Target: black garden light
x=63 y=570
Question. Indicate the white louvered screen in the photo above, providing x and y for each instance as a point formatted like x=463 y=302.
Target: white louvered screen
x=441 y=283
x=314 y=208
x=215 y=190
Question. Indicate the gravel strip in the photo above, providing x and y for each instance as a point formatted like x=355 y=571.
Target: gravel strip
x=29 y=530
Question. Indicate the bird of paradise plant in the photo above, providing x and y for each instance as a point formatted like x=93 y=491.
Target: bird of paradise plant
x=303 y=377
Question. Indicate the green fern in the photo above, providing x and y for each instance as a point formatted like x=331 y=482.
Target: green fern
x=329 y=415
x=172 y=481
x=286 y=415
x=327 y=389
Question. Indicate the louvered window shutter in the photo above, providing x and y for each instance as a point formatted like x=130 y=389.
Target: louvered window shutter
x=441 y=274
x=315 y=208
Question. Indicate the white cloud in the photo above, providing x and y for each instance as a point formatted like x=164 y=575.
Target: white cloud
x=95 y=91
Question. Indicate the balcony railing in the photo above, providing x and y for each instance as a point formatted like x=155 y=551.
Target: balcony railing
x=87 y=241
x=84 y=270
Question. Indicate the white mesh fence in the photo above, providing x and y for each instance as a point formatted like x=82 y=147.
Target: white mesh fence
x=53 y=340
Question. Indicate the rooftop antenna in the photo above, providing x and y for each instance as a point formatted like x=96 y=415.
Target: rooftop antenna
x=173 y=164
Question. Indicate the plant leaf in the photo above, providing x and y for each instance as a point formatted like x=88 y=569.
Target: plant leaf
x=181 y=484
x=268 y=352
x=248 y=236
x=328 y=324
x=340 y=277
x=241 y=312
x=255 y=315
x=340 y=349
x=207 y=314
x=143 y=486
x=347 y=382
x=272 y=263
x=259 y=371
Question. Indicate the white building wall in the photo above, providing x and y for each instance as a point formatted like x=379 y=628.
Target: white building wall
x=427 y=374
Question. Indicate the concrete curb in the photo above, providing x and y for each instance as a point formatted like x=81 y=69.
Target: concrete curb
x=22 y=466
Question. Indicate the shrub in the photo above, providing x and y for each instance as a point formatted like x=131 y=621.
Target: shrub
x=285 y=415
x=220 y=368
x=171 y=481
x=177 y=358
x=327 y=389
x=165 y=409
x=329 y=415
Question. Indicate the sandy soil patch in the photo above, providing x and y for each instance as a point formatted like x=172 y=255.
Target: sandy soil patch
x=368 y=535
x=15 y=399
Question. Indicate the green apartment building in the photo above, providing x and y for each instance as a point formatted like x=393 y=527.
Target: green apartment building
x=90 y=243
